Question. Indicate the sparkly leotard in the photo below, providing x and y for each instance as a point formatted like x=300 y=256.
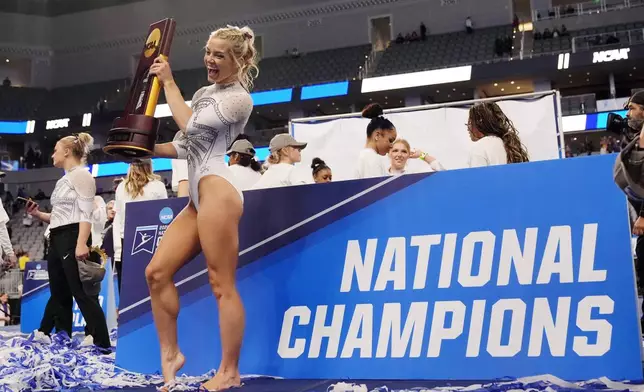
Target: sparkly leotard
x=220 y=113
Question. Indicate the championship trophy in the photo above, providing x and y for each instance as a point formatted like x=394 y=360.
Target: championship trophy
x=134 y=134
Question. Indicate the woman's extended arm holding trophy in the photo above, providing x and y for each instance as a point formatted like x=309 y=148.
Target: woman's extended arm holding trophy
x=180 y=111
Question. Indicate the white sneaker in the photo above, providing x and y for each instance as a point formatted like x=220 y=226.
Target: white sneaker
x=41 y=337
x=88 y=341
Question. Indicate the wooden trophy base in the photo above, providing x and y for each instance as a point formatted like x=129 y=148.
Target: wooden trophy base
x=132 y=136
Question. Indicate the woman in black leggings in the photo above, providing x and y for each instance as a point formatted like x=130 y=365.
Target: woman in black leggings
x=70 y=225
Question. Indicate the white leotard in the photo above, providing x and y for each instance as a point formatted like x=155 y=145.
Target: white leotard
x=220 y=113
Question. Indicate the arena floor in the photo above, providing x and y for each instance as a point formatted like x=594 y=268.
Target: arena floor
x=27 y=364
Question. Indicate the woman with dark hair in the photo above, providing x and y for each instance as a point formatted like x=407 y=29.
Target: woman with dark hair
x=242 y=162
x=321 y=172
x=381 y=134
x=496 y=140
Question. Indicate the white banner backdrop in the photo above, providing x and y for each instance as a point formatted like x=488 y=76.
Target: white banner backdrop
x=441 y=132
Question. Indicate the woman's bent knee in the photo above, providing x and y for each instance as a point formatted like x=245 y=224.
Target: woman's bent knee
x=155 y=274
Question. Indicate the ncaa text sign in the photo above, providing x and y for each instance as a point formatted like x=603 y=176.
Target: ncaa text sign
x=456 y=275
x=607 y=56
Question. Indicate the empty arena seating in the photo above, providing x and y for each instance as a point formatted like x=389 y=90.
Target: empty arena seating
x=283 y=72
x=624 y=32
x=30 y=239
x=315 y=67
x=75 y=100
x=18 y=103
x=441 y=50
x=578 y=104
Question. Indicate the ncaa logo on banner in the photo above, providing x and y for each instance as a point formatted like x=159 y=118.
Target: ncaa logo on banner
x=166 y=215
x=38 y=274
x=144 y=239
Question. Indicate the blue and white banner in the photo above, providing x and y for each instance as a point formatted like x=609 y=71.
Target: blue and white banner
x=35 y=294
x=467 y=274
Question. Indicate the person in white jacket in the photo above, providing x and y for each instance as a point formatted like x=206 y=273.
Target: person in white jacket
x=140 y=184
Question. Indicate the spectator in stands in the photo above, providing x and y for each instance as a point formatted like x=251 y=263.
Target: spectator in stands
x=469 y=27
x=5 y=310
x=23 y=259
x=140 y=184
x=381 y=134
x=295 y=53
x=107 y=233
x=242 y=162
x=555 y=33
x=423 y=31
x=564 y=31
x=547 y=34
x=285 y=152
x=612 y=40
x=37 y=158
x=70 y=231
x=40 y=195
x=400 y=154
x=180 y=174
x=508 y=45
x=496 y=140
x=515 y=22
x=414 y=36
x=499 y=49
x=321 y=172
x=400 y=39
x=6 y=82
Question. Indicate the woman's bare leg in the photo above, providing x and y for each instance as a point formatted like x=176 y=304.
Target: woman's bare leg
x=220 y=209
x=178 y=246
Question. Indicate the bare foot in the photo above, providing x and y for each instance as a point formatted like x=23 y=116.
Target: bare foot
x=223 y=380
x=171 y=365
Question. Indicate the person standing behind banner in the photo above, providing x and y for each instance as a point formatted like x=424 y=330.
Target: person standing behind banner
x=496 y=140
x=5 y=239
x=99 y=217
x=179 y=174
x=285 y=153
x=400 y=154
x=381 y=134
x=321 y=172
x=72 y=204
x=140 y=184
x=5 y=310
x=242 y=162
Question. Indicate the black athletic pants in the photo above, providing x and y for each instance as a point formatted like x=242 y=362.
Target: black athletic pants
x=65 y=286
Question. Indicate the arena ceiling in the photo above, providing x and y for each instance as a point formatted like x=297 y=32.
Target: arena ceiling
x=57 y=7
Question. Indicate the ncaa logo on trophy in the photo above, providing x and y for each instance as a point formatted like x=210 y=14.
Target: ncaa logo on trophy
x=134 y=134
